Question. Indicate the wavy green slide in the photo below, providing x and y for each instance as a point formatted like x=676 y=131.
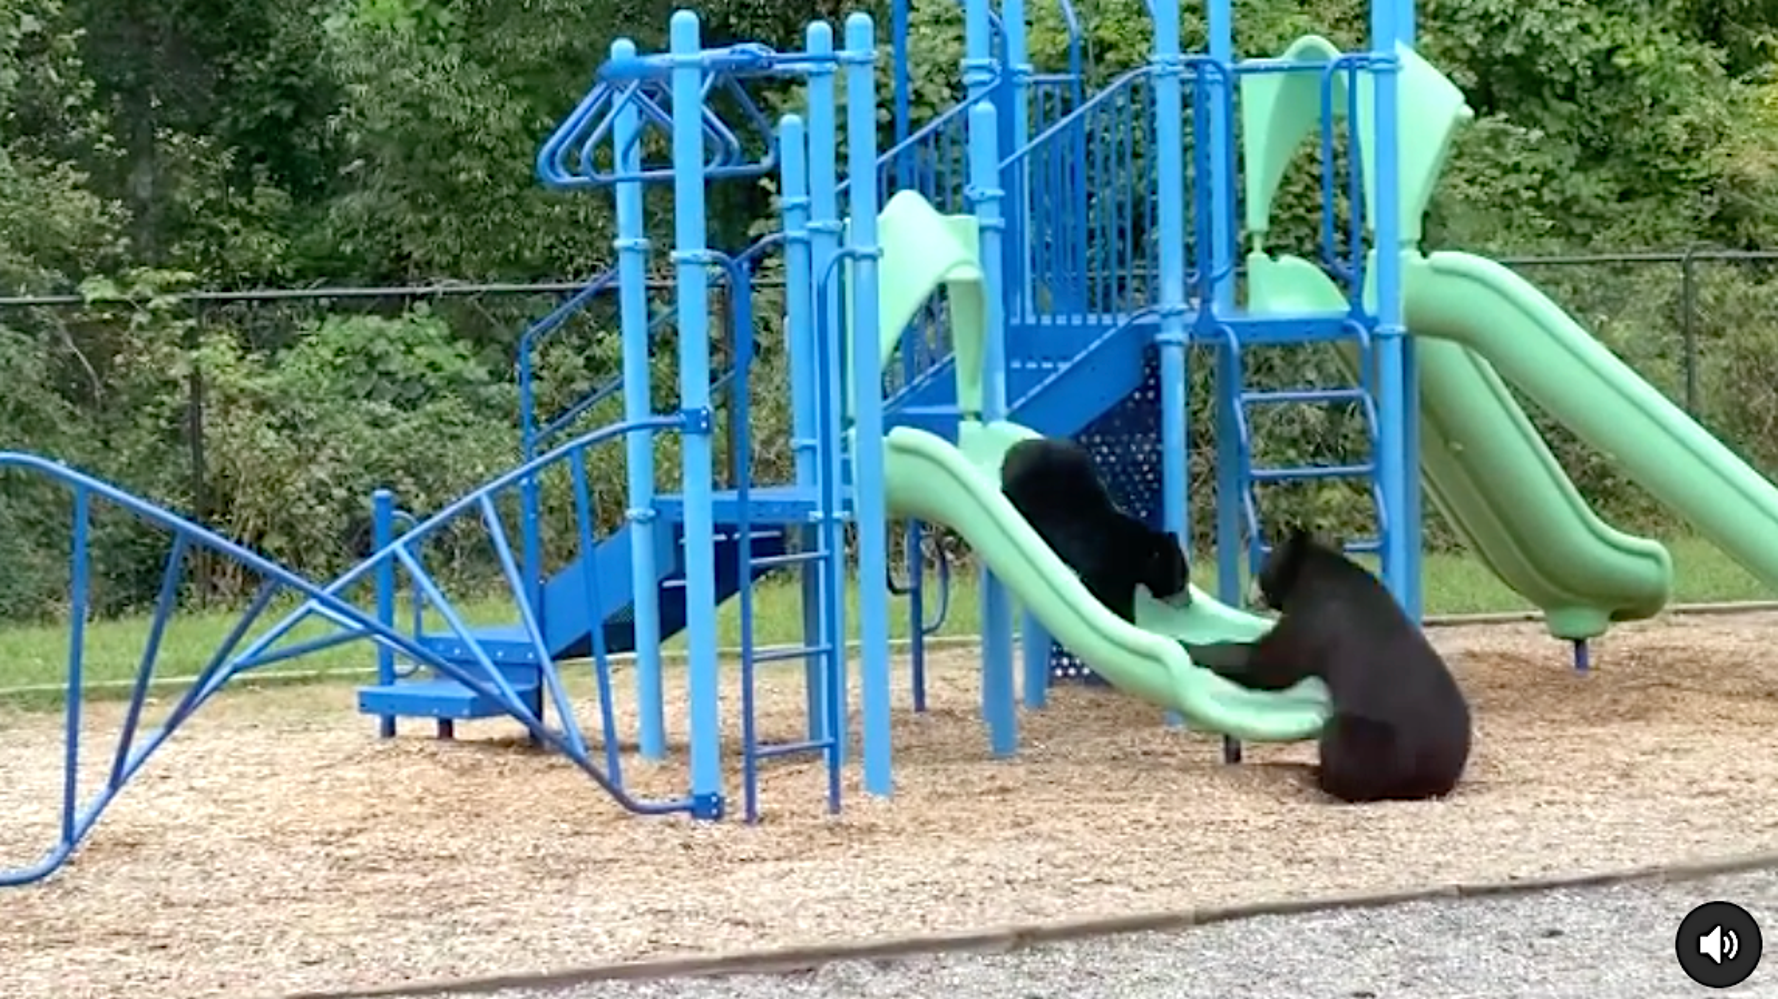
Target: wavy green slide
x=1486 y=467
x=1494 y=476
x=1474 y=321
x=959 y=486
x=1474 y=303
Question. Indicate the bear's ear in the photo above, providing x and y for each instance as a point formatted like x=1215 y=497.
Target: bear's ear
x=1304 y=537
x=1277 y=574
x=1298 y=537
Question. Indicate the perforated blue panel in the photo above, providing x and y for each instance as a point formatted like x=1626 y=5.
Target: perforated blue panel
x=1125 y=444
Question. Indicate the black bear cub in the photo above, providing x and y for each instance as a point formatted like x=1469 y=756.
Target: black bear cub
x=1053 y=485
x=1400 y=727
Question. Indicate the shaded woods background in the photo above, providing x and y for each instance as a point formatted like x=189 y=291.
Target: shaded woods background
x=150 y=148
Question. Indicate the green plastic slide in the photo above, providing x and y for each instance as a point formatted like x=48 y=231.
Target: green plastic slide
x=1473 y=302
x=959 y=486
x=928 y=478
x=1486 y=467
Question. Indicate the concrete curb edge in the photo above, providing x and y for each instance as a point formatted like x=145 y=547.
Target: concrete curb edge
x=803 y=959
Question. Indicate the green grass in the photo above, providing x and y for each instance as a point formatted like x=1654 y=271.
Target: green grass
x=36 y=656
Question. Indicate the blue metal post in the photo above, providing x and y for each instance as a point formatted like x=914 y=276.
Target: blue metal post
x=1229 y=376
x=903 y=77
x=1017 y=213
x=690 y=259
x=632 y=249
x=1035 y=648
x=999 y=707
x=824 y=232
x=978 y=50
x=1169 y=111
x=1173 y=338
x=1230 y=485
x=382 y=531
x=1021 y=281
x=1411 y=521
x=912 y=535
x=1399 y=563
x=868 y=499
x=80 y=591
x=799 y=330
x=984 y=172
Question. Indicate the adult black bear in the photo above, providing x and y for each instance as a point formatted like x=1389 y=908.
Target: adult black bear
x=1400 y=727
x=1053 y=485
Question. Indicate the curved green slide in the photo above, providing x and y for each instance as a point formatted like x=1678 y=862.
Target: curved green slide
x=1475 y=303
x=958 y=486
x=1486 y=467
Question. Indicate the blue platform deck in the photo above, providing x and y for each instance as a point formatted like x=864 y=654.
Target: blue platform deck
x=767 y=506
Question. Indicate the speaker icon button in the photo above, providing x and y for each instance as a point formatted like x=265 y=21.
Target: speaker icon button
x=1718 y=945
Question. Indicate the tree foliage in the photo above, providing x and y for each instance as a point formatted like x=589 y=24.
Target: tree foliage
x=153 y=146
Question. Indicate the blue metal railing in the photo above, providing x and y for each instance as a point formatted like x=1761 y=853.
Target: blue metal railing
x=568 y=159
x=330 y=603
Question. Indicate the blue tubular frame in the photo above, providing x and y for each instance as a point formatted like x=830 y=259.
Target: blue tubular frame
x=805 y=381
x=859 y=61
x=998 y=696
x=632 y=246
x=1410 y=510
x=697 y=467
x=329 y=602
x=1173 y=338
x=829 y=378
x=1233 y=495
x=820 y=651
x=1400 y=564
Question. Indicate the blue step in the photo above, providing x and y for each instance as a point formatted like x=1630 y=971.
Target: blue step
x=1303 y=473
x=1305 y=396
x=567 y=627
x=437 y=698
x=1089 y=364
x=504 y=644
x=1063 y=398
x=767 y=507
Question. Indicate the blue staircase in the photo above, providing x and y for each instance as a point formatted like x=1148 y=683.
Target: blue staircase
x=567 y=617
x=1060 y=395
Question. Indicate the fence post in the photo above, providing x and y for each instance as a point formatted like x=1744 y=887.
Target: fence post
x=1688 y=326
x=194 y=433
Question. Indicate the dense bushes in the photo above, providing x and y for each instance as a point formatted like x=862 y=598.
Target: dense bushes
x=295 y=440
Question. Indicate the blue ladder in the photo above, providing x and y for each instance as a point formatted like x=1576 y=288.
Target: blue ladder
x=822 y=658
x=1252 y=477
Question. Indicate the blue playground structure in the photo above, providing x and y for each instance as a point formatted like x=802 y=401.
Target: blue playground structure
x=1036 y=260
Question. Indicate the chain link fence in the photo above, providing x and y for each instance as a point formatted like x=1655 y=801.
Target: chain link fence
x=271 y=415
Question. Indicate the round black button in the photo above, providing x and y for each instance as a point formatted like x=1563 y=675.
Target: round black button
x=1718 y=944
